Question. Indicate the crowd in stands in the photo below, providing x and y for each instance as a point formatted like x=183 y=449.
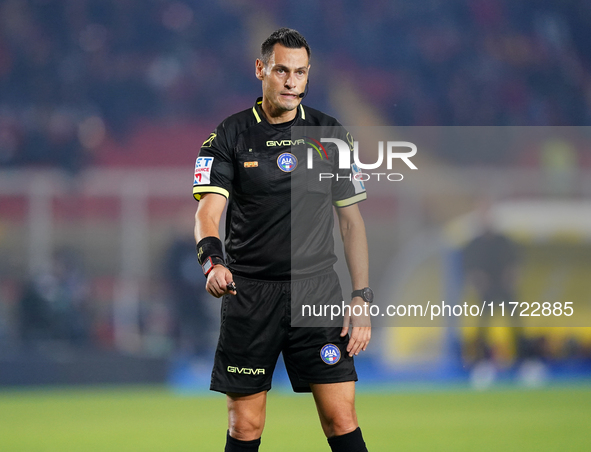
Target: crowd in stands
x=73 y=71
x=485 y=62
x=69 y=71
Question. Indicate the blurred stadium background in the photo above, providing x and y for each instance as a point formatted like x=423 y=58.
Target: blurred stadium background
x=103 y=107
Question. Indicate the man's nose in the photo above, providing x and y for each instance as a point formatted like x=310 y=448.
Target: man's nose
x=288 y=82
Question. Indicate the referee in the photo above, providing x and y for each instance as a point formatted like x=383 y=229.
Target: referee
x=249 y=162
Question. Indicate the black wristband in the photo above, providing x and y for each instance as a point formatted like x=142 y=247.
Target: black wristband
x=209 y=247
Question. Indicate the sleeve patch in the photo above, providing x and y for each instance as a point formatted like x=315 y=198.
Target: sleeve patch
x=357 y=179
x=203 y=170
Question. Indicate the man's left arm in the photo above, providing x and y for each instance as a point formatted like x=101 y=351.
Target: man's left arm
x=355 y=243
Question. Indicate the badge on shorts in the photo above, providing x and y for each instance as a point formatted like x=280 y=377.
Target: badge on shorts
x=287 y=162
x=330 y=354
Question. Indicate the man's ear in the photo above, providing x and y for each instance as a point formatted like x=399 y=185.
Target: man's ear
x=259 y=68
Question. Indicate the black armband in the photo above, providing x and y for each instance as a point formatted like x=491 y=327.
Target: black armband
x=209 y=247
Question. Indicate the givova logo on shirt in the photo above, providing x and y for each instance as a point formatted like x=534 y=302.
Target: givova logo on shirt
x=202 y=170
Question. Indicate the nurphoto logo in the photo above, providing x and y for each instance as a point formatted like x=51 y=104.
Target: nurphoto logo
x=392 y=151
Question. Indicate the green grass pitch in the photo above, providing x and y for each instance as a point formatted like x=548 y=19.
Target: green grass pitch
x=156 y=420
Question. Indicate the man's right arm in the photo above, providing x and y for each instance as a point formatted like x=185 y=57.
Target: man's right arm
x=207 y=223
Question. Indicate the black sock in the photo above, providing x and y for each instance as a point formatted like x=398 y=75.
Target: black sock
x=351 y=442
x=235 y=445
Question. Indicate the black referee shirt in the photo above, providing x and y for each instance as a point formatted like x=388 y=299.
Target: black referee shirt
x=279 y=221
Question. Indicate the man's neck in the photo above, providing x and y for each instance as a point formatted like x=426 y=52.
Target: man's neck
x=274 y=116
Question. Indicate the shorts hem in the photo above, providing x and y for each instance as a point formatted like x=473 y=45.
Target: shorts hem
x=226 y=389
x=300 y=389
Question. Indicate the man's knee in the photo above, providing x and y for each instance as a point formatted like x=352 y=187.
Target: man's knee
x=246 y=429
x=336 y=407
x=246 y=416
x=340 y=423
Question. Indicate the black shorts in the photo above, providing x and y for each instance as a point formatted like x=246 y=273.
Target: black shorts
x=256 y=327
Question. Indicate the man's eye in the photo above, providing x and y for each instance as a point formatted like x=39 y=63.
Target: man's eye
x=280 y=71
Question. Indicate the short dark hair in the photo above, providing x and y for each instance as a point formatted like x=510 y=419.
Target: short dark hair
x=287 y=37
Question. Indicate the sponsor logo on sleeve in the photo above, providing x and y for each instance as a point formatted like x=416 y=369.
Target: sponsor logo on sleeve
x=357 y=180
x=203 y=170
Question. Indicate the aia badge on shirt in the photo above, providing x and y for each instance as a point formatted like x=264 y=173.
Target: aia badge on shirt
x=287 y=162
x=202 y=170
x=330 y=354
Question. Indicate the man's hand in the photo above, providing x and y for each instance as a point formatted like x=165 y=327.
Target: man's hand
x=361 y=331
x=218 y=280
